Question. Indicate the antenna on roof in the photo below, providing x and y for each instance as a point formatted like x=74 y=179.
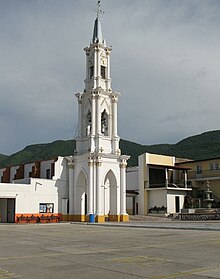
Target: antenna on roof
x=98 y=10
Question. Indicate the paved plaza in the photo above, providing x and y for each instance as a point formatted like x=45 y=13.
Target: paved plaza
x=136 y=250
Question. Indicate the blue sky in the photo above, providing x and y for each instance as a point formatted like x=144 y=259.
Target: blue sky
x=165 y=62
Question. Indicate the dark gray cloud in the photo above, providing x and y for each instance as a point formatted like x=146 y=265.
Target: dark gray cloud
x=165 y=62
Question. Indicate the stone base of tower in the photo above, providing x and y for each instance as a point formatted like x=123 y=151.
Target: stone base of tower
x=124 y=218
x=100 y=218
x=77 y=218
x=114 y=218
x=64 y=217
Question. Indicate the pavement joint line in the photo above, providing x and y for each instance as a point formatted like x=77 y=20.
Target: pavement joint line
x=139 y=259
x=151 y=226
x=181 y=273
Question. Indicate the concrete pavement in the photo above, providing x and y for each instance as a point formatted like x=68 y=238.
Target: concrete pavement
x=177 y=225
x=102 y=251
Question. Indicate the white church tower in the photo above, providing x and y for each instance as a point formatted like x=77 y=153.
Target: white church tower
x=97 y=178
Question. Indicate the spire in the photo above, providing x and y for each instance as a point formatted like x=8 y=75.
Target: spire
x=97 y=32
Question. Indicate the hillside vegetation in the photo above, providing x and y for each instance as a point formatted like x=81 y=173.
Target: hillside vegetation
x=203 y=146
x=2 y=157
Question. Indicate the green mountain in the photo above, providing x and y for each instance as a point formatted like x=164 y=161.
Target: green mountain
x=203 y=146
x=2 y=157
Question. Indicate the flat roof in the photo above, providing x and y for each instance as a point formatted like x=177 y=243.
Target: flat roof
x=170 y=167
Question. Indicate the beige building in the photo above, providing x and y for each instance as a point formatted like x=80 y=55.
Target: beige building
x=202 y=171
x=157 y=185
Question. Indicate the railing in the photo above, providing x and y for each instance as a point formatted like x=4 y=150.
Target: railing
x=203 y=174
x=175 y=184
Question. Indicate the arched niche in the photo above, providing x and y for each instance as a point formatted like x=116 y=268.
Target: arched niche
x=81 y=193
x=110 y=193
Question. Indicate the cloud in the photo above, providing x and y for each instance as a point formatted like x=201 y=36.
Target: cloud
x=165 y=61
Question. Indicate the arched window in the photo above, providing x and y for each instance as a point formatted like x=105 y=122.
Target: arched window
x=88 y=124
x=104 y=123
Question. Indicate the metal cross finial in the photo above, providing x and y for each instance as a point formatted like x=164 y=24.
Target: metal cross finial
x=98 y=10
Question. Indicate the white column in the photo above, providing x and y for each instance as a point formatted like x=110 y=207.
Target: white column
x=98 y=114
x=108 y=71
x=91 y=185
x=123 y=187
x=98 y=188
x=114 y=125
x=71 y=185
x=93 y=115
x=166 y=177
x=93 y=124
x=98 y=68
x=185 y=178
x=79 y=98
x=114 y=116
x=87 y=66
x=95 y=69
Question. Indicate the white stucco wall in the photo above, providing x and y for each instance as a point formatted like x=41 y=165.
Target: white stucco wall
x=157 y=197
x=28 y=169
x=12 y=173
x=28 y=196
x=132 y=178
x=171 y=202
x=44 y=165
x=1 y=173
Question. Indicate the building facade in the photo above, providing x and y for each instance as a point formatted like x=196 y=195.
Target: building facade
x=157 y=185
x=200 y=172
x=34 y=192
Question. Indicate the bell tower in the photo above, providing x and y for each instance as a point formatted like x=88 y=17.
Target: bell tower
x=97 y=105
x=97 y=160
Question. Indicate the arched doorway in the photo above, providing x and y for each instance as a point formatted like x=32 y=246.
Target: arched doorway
x=81 y=196
x=110 y=196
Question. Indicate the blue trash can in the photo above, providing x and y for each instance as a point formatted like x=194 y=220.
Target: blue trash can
x=91 y=218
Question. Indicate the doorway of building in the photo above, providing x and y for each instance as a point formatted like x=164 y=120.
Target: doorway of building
x=177 y=202
x=7 y=210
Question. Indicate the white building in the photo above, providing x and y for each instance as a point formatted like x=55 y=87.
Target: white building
x=156 y=185
x=34 y=190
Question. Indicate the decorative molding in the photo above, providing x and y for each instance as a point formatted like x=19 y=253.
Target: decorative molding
x=79 y=97
x=114 y=99
x=70 y=162
x=90 y=162
x=123 y=164
x=98 y=162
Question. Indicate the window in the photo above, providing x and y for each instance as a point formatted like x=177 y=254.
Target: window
x=1 y=178
x=91 y=72
x=103 y=72
x=46 y=208
x=104 y=123
x=198 y=169
x=214 y=166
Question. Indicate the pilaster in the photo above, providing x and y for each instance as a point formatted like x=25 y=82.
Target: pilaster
x=91 y=190
x=71 y=185
x=99 y=214
x=79 y=99
x=123 y=215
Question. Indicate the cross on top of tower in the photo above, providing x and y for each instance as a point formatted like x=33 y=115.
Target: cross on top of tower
x=98 y=10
